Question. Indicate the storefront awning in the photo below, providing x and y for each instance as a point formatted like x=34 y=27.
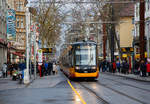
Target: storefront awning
x=17 y=54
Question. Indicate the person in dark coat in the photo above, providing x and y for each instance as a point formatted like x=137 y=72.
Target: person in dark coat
x=11 y=68
x=125 y=67
x=104 y=65
x=136 y=67
x=143 y=68
x=50 y=66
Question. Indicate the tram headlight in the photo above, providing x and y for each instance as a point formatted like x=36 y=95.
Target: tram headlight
x=93 y=67
x=77 y=67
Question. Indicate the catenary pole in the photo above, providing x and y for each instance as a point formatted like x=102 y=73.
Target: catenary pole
x=26 y=72
x=104 y=41
x=148 y=47
x=34 y=52
x=112 y=33
x=142 y=29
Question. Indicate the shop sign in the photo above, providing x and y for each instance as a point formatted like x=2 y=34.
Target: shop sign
x=11 y=24
x=40 y=59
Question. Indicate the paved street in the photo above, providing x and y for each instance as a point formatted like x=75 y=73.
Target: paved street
x=55 y=89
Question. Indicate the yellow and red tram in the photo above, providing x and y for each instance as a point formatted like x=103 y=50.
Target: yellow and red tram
x=80 y=60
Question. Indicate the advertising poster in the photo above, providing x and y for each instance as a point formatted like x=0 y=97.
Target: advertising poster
x=11 y=25
x=40 y=57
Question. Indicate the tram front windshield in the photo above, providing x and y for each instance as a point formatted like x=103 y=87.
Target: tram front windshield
x=85 y=55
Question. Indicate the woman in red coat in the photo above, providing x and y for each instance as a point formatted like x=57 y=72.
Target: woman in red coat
x=148 y=67
x=114 y=67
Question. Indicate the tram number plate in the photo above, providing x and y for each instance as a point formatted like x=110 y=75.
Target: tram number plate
x=85 y=71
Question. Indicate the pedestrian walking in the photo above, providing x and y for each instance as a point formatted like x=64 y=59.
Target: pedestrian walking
x=110 y=66
x=136 y=67
x=143 y=68
x=54 y=68
x=100 y=65
x=148 y=66
x=4 y=70
x=118 y=65
x=50 y=66
x=11 y=69
x=42 y=70
x=46 y=68
x=104 y=65
x=125 y=67
x=114 y=67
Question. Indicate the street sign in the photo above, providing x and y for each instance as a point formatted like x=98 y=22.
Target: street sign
x=127 y=49
x=47 y=50
x=40 y=59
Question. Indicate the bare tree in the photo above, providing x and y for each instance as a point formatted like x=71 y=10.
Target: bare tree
x=50 y=18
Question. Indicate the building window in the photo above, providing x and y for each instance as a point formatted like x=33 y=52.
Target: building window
x=17 y=22
x=19 y=6
x=148 y=5
x=137 y=11
x=22 y=26
x=133 y=20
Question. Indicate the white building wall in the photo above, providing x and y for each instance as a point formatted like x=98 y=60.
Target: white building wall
x=136 y=13
x=147 y=25
x=3 y=36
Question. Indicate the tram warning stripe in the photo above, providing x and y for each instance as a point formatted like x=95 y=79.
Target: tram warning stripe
x=76 y=93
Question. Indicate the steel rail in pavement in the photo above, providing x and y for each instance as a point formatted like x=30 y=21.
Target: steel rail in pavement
x=116 y=91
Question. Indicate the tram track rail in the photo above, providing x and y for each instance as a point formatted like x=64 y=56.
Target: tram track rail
x=94 y=94
x=121 y=93
x=128 y=84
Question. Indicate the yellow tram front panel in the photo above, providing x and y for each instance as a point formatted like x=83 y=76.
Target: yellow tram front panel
x=87 y=74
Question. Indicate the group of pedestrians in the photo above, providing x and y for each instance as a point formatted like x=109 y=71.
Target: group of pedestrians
x=11 y=68
x=48 y=68
x=140 y=67
x=108 y=66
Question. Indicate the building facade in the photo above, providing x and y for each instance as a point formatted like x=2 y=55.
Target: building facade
x=124 y=29
x=20 y=24
x=137 y=29
x=17 y=47
x=136 y=40
x=147 y=25
x=3 y=36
